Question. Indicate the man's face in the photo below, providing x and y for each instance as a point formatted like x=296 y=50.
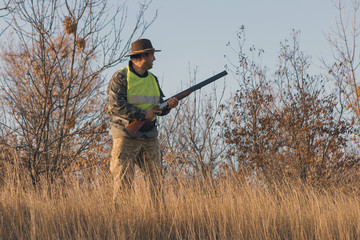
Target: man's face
x=148 y=60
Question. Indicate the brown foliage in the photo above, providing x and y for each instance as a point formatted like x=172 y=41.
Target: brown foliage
x=70 y=25
x=288 y=128
x=81 y=44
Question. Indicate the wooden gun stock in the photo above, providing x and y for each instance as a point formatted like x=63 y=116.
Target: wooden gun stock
x=132 y=128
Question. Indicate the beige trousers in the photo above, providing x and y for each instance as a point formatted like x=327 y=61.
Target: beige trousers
x=128 y=152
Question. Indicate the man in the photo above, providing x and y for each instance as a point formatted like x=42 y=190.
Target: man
x=132 y=93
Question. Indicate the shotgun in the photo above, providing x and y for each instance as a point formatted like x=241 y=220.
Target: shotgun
x=132 y=128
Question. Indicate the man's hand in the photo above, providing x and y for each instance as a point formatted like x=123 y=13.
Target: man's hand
x=150 y=114
x=173 y=102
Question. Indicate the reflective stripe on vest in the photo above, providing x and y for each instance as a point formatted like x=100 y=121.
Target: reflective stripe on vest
x=142 y=92
x=144 y=99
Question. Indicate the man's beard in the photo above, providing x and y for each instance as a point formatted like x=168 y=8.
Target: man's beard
x=150 y=65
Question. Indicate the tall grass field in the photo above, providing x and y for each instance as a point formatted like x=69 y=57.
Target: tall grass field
x=221 y=209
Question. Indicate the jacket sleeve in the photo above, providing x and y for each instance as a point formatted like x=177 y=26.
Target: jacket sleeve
x=117 y=96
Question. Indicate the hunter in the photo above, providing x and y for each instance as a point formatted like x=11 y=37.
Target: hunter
x=133 y=91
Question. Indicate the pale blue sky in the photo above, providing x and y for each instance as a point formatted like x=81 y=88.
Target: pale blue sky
x=195 y=32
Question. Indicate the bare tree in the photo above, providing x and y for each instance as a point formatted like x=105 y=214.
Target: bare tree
x=4 y=7
x=344 y=68
x=52 y=82
x=191 y=142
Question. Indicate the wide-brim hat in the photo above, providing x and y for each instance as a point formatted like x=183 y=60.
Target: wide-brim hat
x=141 y=46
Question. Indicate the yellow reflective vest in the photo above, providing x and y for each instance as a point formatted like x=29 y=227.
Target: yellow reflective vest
x=142 y=92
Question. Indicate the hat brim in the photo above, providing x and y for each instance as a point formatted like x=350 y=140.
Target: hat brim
x=142 y=51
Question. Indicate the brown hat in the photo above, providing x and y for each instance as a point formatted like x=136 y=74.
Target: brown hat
x=141 y=46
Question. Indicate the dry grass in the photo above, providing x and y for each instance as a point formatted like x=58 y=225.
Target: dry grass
x=228 y=210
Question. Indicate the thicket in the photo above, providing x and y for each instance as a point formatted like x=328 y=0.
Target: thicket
x=286 y=125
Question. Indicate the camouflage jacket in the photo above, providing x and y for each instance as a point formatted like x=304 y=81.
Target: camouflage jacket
x=121 y=112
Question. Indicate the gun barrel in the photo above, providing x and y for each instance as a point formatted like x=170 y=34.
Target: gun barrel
x=188 y=91
x=208 y=81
